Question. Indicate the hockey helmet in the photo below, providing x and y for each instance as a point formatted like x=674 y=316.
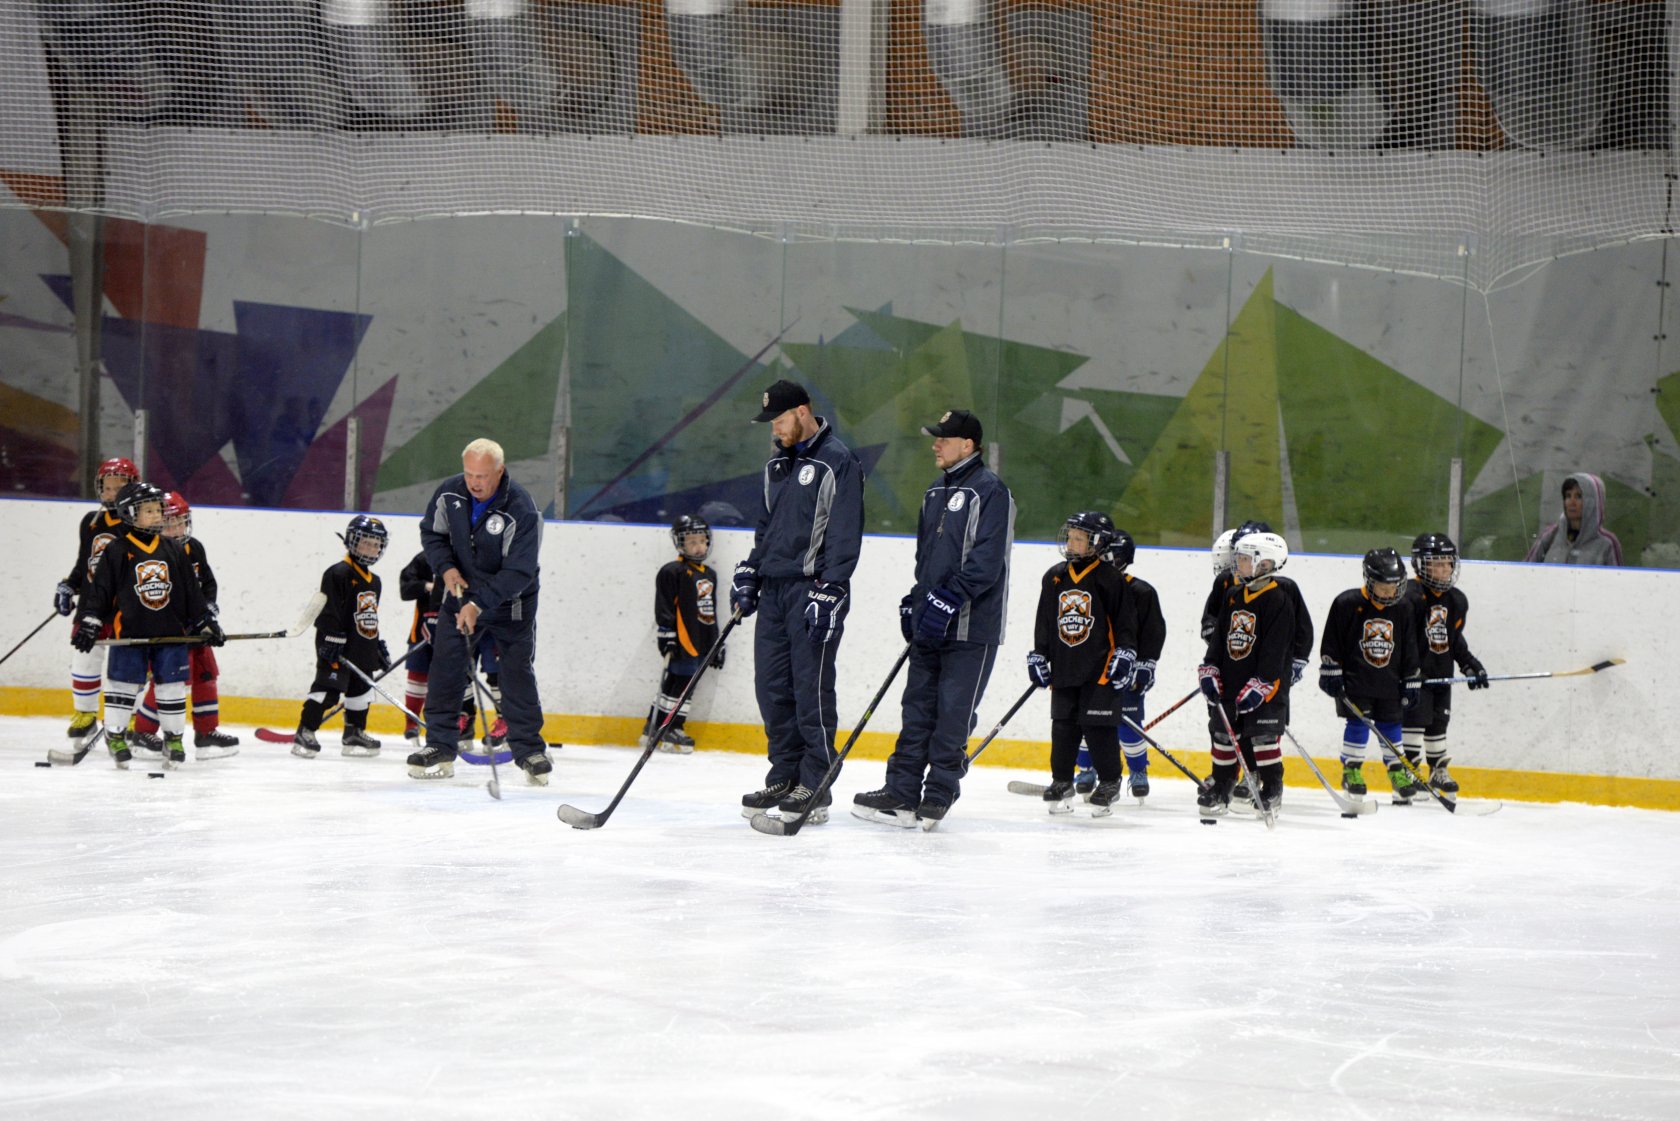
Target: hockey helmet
x=177 y=515
x=1124 y=550
x=1251 y=526
x=1266 y=553
x=1428 y=551
x=685 y=525
x=1383 y=566
x=131 y=502
x=364 y=529
x=1098 y=529
x=117 y=467
x=1224 y=556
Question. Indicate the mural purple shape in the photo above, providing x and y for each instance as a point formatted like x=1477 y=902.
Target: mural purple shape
x=319 y=483
x=726 y=502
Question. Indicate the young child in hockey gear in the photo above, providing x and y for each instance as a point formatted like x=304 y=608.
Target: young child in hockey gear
x=347 y=630
x=87 y=669
x=1441 y=613
x=1145 y=621
x=209 y=741
x=1370 y=656
x=1084 y=650
x=1246 y=672
x=685 y=627
x=144 y=587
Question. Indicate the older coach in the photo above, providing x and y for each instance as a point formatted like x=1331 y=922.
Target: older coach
x=481 y=534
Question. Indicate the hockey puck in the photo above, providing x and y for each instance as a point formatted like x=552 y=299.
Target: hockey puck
x=1207 y=821
x=42 y=763
x=154 y=774
x=1350 y=815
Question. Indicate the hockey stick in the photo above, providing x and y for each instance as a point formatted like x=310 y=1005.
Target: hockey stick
x=1034 y=789
x=578 y=819
x=653 y=709
x=1269 y=816
x=993 y=734
x=30 y=635
x=494 y=786
x=1165 y=754
x=268 y=735
x=305 y=621
x=1399 y=753
x=781 y=827
x=373 y=683
x=1348 y=806
x=1596 y=667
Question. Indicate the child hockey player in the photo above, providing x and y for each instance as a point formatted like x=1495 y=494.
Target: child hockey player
x=209 y=741
x=1441 y=612
x=1145 y=622
x=1084 y=649
x=1246 y=673
x=347 y=630
x=87 y=668
x=1370 y=657
x=685 y=627
x=144 y=587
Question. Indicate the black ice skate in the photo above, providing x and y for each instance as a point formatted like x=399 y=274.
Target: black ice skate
x=1140 y=785
x=214 y=744
x=798 y=804
x=931 y=812
x=1212 y=802
x=761 y=801
x=144 y=745
x=1104 y=797
x=1441 y=780
x=305 y=745
x=432 y=761
x=1057 y=796
x=357 y=744
x=675 y=741
x=537 y=768
x=880 y=805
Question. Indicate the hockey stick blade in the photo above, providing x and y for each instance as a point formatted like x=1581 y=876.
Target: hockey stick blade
x=774 y=826
x=578 y=819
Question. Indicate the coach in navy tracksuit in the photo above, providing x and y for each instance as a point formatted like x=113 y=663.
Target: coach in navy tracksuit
x=953 y=620
x=809 y=534
x=481 y=534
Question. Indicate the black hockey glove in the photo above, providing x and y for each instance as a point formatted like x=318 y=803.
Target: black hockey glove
x=823 y=605
x=64 y=598
x=906 y=616
x=1120 y=664
x=666 y=640
x=1476 y=672
x=1413 y=692
x=1297 y=670
x=1038 y=669
x=1207 y=678
x=329 y=650
x=717 y=658
x=1330 y=681
x=1143 y=677
x=87 y=633
x=939 y=608
x=384 y=657
x=1252 y=695
x=210 y=629
x=743 y=592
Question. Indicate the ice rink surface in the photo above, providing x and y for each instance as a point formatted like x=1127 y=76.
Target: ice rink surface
x=269 y=937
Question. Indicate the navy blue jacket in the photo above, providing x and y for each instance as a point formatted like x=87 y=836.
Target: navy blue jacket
x=963 y=536
x=497 y=557
x=812 y=522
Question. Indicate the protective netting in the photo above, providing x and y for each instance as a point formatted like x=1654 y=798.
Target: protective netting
x=1463 y=139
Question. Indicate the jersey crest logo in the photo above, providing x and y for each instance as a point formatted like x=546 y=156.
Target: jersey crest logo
x=1376 y=642
x=152 y=584
x=1435 y=630
x=95 y=549
x=806 y=474
x=955 y=502
x=1242 y=635
x=705 y=603
x=367 y=614
x=494 y=524
x=1074 y=618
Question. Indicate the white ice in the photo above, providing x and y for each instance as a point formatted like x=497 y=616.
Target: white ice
x=269 y=937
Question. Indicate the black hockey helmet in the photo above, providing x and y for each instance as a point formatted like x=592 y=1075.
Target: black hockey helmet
x=686 y=524
x=364 y=528
x=1251 y=526
x=1099 y=527
x=135 y=495
x=1383 y=566
x=1430 y=547
x=1124 y=550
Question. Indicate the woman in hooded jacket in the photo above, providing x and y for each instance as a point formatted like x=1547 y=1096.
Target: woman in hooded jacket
x=1579 y=536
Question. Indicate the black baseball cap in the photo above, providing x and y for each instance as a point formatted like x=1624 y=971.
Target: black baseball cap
x=781 y=397
x=957 y=422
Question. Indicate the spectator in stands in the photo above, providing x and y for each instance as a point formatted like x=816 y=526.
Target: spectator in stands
x=1579 y=537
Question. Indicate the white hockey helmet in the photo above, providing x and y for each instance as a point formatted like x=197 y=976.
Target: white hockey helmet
x=1267 y=552
x=1224 y=556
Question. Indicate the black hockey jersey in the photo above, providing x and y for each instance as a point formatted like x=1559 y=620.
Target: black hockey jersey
x=193 y=548
x=411 y=585
x=95 y=532
x=1081 y=619
x=1254 y=637
x=685 y=601
x=352 y=611
x=1300 y=649
x=1376 y=646
x=144 y=587
x=1440 y=629
x=1146 y=625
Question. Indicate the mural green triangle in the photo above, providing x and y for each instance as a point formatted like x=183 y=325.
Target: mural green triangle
x=905 y=334
x=513 y=405
x=1668 y=402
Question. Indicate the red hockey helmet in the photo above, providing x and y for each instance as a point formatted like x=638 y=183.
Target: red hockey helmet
x=115 y=467
x=177 y=515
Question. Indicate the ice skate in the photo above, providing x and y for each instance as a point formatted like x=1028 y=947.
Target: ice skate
x=432 y=761
x=174 y=752
x=120 y=755
x=214 y=744
x=880 y=805
x=1241 y=792
x=412 y=733
x=931 y=812
x=1441 y=780
x=762 y=801
x=497 y=735
x=357 y=744
x=1353 y=779
x=1213 y=797
x=537 y=767
x=1140 y=785
x=798 y=804
x=1084 y=782
x=84 y=730
x=675 y=741
x=1058 y=795
x=146 y=746
x=1405 y=786
x=305 y=745
x=81 y=725
x=1104 y=797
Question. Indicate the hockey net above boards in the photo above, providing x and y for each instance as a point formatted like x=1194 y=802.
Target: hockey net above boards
x=1458 y=138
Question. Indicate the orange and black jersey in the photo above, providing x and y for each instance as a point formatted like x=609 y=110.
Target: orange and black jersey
x=411 y=585
x=94 y=533
x=1081 y=619
x=685 y=601
x=1376 y=646
x=352 y=610
x=144 y=587
x=1301 y=648
x=1440 y=629
x=1254 y=636
x=193 y=548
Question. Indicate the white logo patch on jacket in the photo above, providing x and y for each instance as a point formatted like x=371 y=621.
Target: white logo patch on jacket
x=152 y=584
x=367 y=614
